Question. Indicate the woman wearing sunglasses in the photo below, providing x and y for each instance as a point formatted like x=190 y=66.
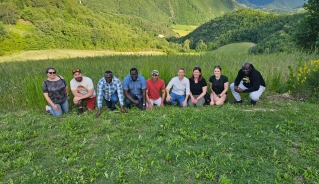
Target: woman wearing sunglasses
x=55 y=92
x=218 y=87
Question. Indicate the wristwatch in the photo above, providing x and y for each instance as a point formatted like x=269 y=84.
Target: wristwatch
x=143 y=104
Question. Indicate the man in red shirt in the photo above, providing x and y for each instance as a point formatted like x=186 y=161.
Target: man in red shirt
x=153 y=87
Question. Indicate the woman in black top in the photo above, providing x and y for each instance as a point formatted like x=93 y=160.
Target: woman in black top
x=218 y=86
x=198 y=88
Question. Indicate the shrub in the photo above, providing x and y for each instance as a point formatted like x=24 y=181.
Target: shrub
x=303 y=83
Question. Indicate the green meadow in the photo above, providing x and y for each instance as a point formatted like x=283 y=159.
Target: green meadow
x=273 y=142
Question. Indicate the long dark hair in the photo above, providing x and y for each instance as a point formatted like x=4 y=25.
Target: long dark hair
x=200 y=70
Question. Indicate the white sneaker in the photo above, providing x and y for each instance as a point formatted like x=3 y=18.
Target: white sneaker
x=47 y=109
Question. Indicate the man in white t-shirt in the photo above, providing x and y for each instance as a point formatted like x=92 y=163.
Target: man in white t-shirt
x=83 y=89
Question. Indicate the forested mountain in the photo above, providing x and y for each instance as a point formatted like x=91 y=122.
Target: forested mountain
x=273 y=4
x=190 y=12
x=271 y=32
x=50 y=24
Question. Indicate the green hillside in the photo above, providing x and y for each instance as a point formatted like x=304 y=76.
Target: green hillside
x=271 y=32
x=189 y=12
x=66 y=24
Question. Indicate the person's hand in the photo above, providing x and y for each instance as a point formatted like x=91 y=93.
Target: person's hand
x=184 y=103
x=239 y=90
x=123 y=110
x=162 y=104
x=168 y=98
x=76 y=99
x=98 y=112
x=55 y=107
x=150 y=106
x=144 y=107
x=136 y=101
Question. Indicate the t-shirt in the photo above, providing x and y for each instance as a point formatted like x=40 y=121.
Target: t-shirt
x=197 y=88
x=218 y=85
x=82 y=87
x=154 y=88
x=180 y=87
x=56 y=90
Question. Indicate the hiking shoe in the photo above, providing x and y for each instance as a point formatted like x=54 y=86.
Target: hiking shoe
x=113 y=108
x=80 y=111
x=238 y=102
x=47 y=109
x=252 y=102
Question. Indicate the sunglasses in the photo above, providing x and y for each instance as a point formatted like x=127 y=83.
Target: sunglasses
x=217 y=66
x=155 y=75
x=76 y=70
x=51 y=73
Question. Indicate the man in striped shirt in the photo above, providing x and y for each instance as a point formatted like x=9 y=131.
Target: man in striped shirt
x=110 y=89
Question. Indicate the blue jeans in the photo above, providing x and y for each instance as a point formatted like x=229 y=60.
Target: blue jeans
x=179 y=98
x=111 y=103
x=63 y=107
x=129 y=102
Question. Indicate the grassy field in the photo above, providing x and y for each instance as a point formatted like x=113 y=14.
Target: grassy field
x=183 y=30
x=273 y=142
x=235 y=48
x=21 y=81
x=62 y=54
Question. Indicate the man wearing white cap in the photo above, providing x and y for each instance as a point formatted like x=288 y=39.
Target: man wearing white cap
x=153 y=87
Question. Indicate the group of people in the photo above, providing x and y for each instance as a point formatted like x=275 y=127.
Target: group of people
x=146 y=94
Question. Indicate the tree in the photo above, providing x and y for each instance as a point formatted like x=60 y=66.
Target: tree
x=308 y=31
x=8 y=13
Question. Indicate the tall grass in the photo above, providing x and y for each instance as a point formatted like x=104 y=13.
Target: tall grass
x=20 y=82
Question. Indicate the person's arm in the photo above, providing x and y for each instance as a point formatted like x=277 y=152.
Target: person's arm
x=99 y=97
x=82 y=96
x=144 y=98
x=255 y=79
x=163 y=97
x=187 y=93
x=149 y=104
x=238 y=78
x=119 y=90
x=168 y=87
x=225 y=90
x=204 y=88
x=67 y=92
x=46 y=96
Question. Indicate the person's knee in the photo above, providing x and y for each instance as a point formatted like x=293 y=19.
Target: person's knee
x=232 y=85
x=254 y=97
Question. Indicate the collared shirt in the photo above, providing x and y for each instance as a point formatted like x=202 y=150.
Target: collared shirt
x=180 y=87
x=135 y=87
x=106 y=90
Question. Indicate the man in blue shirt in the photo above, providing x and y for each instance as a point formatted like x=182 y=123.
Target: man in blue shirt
x=109 y=88
x=135 y=89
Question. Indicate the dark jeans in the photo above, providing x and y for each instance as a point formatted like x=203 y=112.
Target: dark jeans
x=129 y=102
x=114 y=99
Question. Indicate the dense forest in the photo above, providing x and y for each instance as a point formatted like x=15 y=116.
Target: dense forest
x=271 y=32
x=141 y=25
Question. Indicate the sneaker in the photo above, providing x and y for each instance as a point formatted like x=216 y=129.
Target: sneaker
x=47 y=109
x=80 y=111
x=252 y=102
x=113 y=108
x=238 y=102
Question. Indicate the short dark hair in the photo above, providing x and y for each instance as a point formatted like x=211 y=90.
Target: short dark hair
x=49 y=68
x=133 y=69
x=181 y=69
x=108 y=72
